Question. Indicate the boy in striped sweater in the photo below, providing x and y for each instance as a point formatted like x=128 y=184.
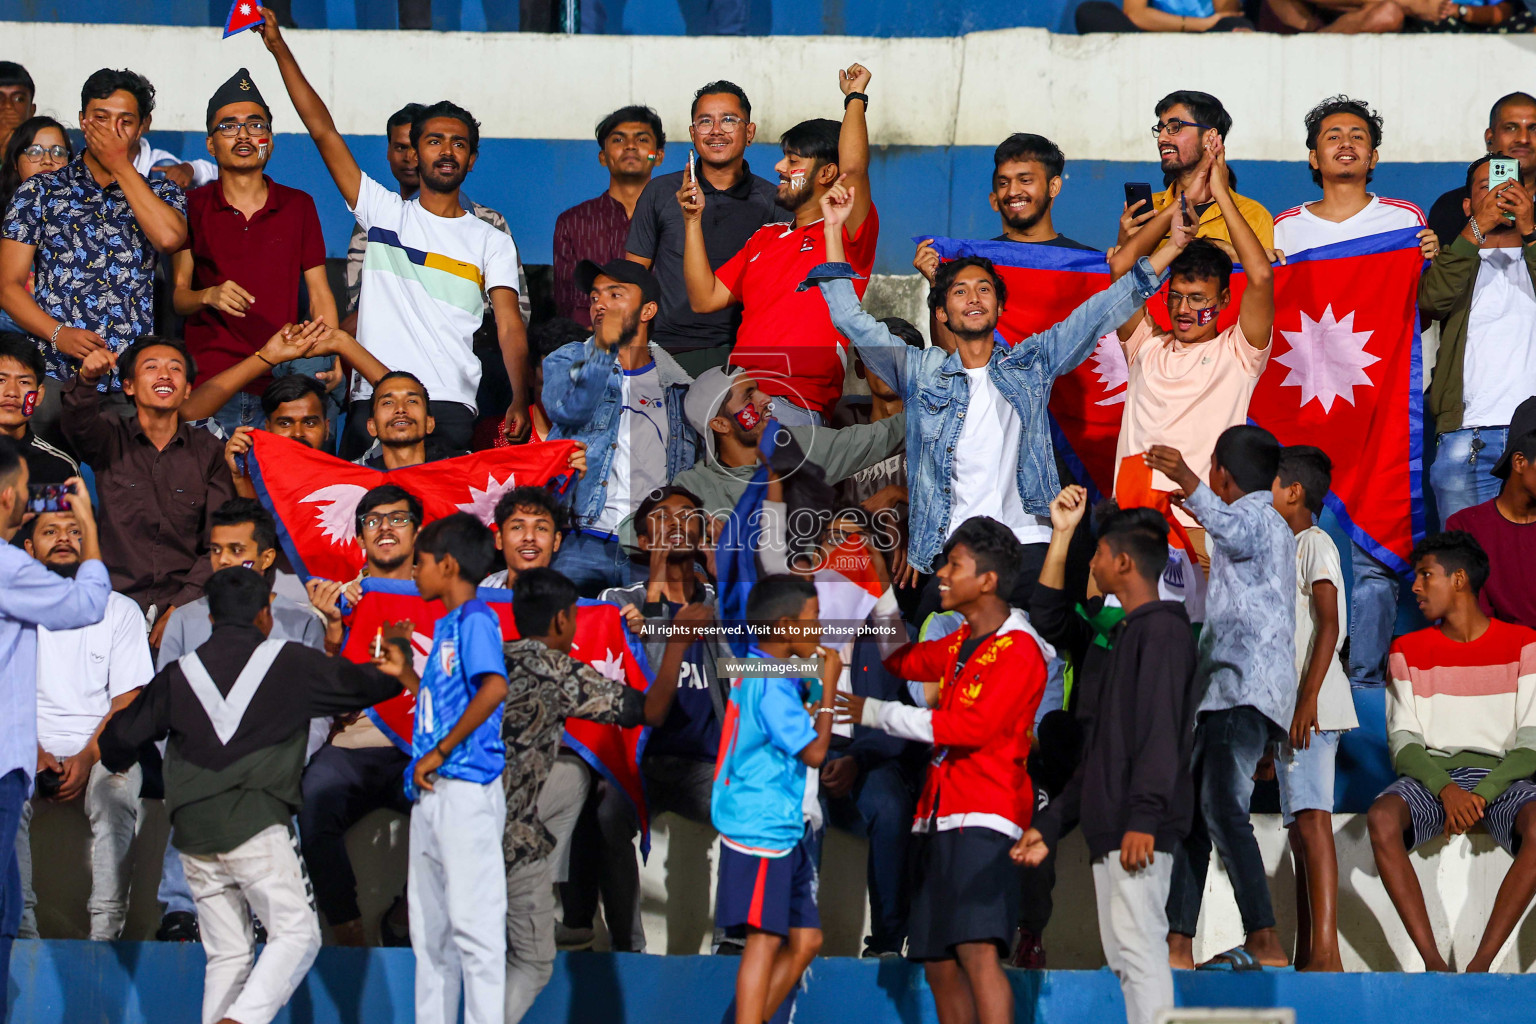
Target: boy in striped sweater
x=1461 y=725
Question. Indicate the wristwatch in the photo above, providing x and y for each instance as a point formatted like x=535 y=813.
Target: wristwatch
x=855 y=96
x=1529 y=239
x=1463 y=13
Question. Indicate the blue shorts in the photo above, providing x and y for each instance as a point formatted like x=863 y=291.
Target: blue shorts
x=1306 y=776
x=771 y=894
x=1427 y=814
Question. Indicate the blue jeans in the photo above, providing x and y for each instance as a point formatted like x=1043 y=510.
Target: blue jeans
x=13 y=796
x=243 y=410
x=879 y=807
x=1372 y=615
x=1228 y=747
x=594 y=564
x=1461 y=475
x=174 y=892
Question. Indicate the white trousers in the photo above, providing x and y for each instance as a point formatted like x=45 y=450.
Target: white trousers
x=1133 y=926
x=112 y=807
x=264 y=875
x=457 y=893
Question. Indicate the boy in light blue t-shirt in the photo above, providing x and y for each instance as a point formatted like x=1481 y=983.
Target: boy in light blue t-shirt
x=767 y=867
x=457 y=890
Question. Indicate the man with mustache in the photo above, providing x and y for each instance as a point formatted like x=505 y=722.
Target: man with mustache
x=251 y=245
x=1511 y=131
x=721 y=129
x=84 y=676
x=430 y=265
x=786 y=340
x=622 y=395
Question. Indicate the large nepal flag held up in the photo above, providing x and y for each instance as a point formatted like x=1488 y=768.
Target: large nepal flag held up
x=1345 y=374
x=602 y=641
x=314 y=496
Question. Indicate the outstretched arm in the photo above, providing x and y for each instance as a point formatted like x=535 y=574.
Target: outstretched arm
x=853 y=144
x=1256 y=315
x=312 y=111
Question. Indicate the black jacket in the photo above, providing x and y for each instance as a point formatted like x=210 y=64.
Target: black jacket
x=222 y=791
x=1134 y=775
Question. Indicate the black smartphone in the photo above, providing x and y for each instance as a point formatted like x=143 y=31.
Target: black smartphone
x=1137 y=193
x=47 y=497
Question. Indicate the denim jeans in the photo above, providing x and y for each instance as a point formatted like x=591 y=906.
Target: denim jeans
x=1372 y=615
x=594 y=564
x=243 y=410
x=13 y=796
x=1228 y=747
x=879 y=807
x=174 y=892
x=340 y=786
x=1461 y=474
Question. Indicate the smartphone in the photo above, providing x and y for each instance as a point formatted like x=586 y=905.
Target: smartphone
x=47 y=498
x=1138 y=193
x=691 y=175
x=1502 y=169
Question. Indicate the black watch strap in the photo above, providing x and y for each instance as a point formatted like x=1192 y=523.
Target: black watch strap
x=855 y=96
x=1528 y=239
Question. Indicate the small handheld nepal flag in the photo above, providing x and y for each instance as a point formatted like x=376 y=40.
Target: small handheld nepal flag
x=243 y=14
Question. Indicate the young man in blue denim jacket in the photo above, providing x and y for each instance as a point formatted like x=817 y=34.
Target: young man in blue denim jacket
x=982 y=406
x=623 y=395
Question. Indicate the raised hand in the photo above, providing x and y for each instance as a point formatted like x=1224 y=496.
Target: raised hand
x=927 y=261
x=1068 y=508
x=854 y=79
x=837 y=204
x=96 y=364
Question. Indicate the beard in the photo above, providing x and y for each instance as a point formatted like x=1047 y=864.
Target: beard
x=393 y=563
x=796 y=197
x=430 y=179
x=629 y=329
x=1028 y=220
x=66 y=569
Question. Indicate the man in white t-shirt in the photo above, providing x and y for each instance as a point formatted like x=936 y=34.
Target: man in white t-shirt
x=429 y=265
x=84 y=677
x=1342 y=138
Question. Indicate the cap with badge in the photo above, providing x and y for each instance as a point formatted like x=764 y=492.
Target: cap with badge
x=623 y=271
x=1521 y=423
x=239 y=89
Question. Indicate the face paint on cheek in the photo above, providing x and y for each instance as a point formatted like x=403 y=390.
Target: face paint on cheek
x=650 y=158
x=29 y=402
x=748 y=416
x=248 y=564
x=797 y=177
x=1205 y=316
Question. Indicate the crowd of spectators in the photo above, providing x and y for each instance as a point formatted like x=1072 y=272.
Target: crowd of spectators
x=158 y=640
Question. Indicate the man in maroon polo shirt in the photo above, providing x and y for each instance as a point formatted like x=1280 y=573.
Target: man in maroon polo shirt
x=786 y=340
x=630 y=142
x=250 y=244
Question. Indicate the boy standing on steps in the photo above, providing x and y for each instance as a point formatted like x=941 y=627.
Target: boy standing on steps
x=1246 y=674
x=978 y=797
x=1324 y=708
x=767 y=864
x=456 y=890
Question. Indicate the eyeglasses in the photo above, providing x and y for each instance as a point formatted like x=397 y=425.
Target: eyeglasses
x=256 y=129
x=1194 y=302
x=1173 y=126
x=398 y=520
x=36 y=152
x=728 y=124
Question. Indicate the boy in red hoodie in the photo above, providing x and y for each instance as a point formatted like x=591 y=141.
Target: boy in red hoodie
x=978 y=799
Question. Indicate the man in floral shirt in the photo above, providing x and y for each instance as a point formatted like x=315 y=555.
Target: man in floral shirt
x=93 y=232
x=545 y=686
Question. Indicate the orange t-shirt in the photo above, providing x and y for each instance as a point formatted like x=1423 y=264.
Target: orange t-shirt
x=1184 y=396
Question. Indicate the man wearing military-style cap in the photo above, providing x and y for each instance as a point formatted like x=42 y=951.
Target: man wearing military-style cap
x=250 y=243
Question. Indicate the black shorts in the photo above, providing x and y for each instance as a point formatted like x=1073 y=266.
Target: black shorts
x=967 y=891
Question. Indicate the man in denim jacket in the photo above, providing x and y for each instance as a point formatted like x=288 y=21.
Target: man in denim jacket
x=623 y=395
x=984 y=405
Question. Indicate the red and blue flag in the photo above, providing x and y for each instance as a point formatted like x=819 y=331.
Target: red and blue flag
x=1345 y=375
x=243 y=15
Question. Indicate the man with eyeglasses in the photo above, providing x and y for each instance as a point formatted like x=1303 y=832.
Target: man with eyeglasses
x=359 y=770
x=739 y=202
x=1187 y=123
x=251 y=245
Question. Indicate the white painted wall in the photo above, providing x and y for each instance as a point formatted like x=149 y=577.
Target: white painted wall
x=1092 y=94
x=1459 y=878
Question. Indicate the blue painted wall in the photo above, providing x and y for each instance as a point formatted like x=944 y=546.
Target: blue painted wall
x=919 y=190
x=58 y=982
x=632 y=17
